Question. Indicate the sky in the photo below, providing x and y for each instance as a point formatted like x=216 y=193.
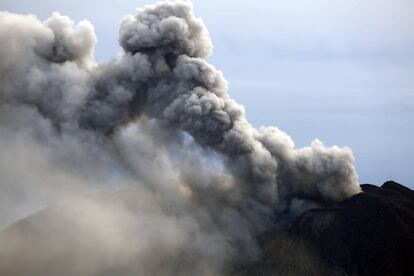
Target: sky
x=340 y=71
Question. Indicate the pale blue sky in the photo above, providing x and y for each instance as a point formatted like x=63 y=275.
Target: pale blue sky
x=338 y=70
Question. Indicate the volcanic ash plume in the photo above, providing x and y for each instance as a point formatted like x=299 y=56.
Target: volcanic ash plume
x=157 y=122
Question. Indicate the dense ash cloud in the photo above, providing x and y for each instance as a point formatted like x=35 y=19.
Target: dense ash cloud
x=157 y=121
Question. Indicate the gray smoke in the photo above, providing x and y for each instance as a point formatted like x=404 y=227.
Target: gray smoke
x=197 y=181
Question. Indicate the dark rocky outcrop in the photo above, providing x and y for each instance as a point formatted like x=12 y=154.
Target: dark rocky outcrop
x=371 y=233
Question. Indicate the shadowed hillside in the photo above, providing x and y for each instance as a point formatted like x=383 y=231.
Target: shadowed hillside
x=369 y=234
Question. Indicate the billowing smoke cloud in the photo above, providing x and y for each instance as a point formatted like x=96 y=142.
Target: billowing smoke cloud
x=158 y=122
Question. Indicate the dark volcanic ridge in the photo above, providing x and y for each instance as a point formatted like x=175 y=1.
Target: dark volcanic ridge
x=369 y=234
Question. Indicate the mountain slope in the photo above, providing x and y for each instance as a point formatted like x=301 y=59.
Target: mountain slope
x=371 y=233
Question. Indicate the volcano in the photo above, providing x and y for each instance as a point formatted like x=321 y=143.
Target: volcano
x=147 y=165
x=370 y=233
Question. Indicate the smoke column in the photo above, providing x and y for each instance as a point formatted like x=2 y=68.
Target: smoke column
x=160 y=121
